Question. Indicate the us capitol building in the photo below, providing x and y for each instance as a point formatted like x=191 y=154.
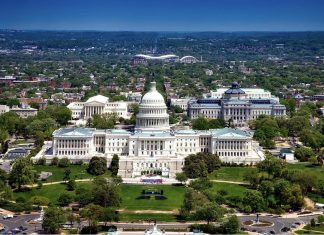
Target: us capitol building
x=153 y=147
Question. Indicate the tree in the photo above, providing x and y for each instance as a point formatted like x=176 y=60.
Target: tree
x=230 y=226
x=313 y=223
x=21 y=173
x=313 y=160
x=200 y=164
x=83 y=195
x=266 y=188
x=71 y=185
x=114 y=166
x=53 y=219
x=194 y=169
x=304 y=153
x=11 y=122
x=181 y=177
x=104 y=121
x=65 y=199
x=177 y=109
x=93 y=213
x=97 y=166
x=200 y=123
x=67 y=174
x=55 y=161
x=39 y=200
x=253 y=178
x=273 y=166
x=105 y=193
x=64 y=162
x=210 y=212
x=320 y=219
x=192 y=200
x=110 y=215
x=4 y=135
x=63 y=115
x=255 y=200
x=201 y=184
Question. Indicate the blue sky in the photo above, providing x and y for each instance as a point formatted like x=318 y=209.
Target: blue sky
x=163 y=15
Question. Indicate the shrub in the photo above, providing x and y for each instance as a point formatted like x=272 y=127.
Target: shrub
x=65 y=199
x=55 y=161
x=64 y=162
x=71 y=185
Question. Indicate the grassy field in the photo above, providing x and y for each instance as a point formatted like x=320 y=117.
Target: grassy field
x=316 y=228
x=174 y=196
x=230 y=173
x=305 y=166
x=129 y=193
x=231 y=189
x=307 y=232
x=52 y=192
x=77 y=172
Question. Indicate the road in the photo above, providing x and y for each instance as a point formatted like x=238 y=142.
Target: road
x=278 y=222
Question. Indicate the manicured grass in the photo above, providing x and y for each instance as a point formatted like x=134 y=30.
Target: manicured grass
x=230 y=173
x=307 y=232
x=316 y=228
x=174 y=196
x=231 y=189
x=77 y=172
x=305 y=166
x=129 y=194
x=52 y=192
x=145 y=217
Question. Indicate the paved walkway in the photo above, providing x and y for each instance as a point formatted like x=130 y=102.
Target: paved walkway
x=165 y=181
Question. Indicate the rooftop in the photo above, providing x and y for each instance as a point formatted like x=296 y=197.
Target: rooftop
x=74 y=132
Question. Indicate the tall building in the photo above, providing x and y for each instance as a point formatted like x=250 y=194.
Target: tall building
x=237 y=105
x=152 y=147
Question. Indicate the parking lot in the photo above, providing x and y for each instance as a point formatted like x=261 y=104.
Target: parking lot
x=12 y=224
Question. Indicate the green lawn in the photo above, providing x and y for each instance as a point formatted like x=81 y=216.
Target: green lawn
x=230 y=173
x=305 y=166
x=307 y=232
x=174 y=196
x=144 y=217
x=231 y=189
x=52 y=192
x=316 y=228
x=129 y=194
x=77 y=172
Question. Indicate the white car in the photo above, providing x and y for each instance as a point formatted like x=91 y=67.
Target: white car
x=8 y=216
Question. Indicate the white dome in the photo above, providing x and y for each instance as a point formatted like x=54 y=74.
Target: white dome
x=152 y=113
x=98 y=98
x=153 y=96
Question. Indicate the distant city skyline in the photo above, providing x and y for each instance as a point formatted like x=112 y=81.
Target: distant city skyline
x=166 y=15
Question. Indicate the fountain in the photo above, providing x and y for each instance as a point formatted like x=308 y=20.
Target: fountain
x=257 y=222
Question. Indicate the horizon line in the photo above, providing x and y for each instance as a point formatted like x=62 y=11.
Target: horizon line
x=167 y=31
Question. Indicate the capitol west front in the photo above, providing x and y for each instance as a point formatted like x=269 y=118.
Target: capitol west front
x=152 y=148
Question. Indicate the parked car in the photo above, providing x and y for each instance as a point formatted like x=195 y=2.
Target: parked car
x=8 y=216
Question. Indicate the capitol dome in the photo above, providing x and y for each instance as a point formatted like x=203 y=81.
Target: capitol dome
x=152 y=113
x=153 y=96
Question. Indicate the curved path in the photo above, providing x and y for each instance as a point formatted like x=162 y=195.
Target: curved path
x=132 y=181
